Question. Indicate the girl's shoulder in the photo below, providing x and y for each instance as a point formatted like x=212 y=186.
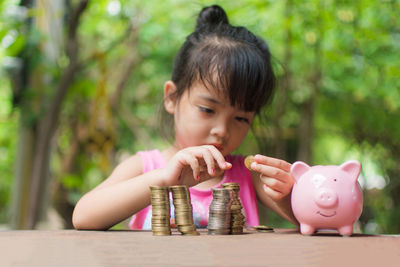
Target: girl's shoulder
x=152 y=159
x=130 y=166
x=139 y=163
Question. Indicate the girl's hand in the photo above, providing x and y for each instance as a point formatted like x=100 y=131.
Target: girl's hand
x=193 y=165
x=275 y=175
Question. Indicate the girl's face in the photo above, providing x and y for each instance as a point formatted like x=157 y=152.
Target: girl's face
x=202 y=117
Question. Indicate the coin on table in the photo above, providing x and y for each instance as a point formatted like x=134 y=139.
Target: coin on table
x=248 y=161
x=263 y=228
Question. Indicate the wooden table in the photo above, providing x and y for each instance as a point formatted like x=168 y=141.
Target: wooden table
x=141 y=248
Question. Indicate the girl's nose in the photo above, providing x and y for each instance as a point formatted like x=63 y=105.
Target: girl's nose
x=221 y=130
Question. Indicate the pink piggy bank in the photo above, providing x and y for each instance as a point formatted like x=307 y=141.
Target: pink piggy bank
x=326 y=197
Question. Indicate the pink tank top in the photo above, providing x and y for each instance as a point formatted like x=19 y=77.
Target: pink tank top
x=201 y=199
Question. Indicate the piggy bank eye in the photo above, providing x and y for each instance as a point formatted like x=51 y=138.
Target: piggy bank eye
x=334 y=180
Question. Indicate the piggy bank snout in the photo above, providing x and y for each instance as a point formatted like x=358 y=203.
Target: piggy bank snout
x=326 y=198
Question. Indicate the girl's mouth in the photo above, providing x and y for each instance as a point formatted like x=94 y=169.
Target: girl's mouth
x=218 y=146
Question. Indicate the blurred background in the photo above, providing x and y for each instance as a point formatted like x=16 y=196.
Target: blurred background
x=81 y=86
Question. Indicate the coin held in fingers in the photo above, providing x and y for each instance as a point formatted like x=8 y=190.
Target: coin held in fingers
x=248 y=161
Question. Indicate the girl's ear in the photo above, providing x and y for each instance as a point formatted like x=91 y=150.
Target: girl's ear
x=169 y=96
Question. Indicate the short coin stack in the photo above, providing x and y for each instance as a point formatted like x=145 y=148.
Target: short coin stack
x=219 y=216
x=183 y=210
x=160 y=210
x=237 y=218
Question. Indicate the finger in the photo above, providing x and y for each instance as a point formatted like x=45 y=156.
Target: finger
x=209 y=160
x=274 y=184
x=274 y=195
x=193 y=163
x=272 y=172
x=222 y=163
x=277 y=163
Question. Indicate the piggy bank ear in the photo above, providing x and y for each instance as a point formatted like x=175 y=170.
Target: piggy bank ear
x=352 y=167
x=298 y=169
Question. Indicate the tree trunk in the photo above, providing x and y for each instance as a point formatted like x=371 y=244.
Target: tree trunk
x=22 y=182
x=32 y=167
x=84 y=133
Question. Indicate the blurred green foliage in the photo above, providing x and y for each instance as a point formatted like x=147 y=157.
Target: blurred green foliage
x=8 y=130
x=353 y=45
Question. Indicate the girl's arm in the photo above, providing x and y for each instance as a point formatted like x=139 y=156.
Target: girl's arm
x=127 y=191
x=273 y=184
x=124 y=193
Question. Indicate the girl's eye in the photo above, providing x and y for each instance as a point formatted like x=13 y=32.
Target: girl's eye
x=241 y=119
x=206 y=110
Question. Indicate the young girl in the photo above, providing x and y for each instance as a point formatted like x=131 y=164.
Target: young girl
x=221 y=79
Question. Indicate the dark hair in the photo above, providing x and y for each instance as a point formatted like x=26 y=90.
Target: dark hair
x=230 y=59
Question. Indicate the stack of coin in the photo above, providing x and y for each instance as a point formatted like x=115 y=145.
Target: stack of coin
x=160 y=210
x=219 y=216
x=183 y=210
x=237 y=218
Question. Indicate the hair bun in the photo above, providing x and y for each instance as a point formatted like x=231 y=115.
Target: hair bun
x=211 y=15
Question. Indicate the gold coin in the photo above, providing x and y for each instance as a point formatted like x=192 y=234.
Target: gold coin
x=159 y=188
x=263 y=228
x=248 y=161
x=228 y=185
x=162 y=233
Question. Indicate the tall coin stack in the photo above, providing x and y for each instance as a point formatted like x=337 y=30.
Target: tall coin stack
x=183 y=210
x=219 y=216
x=160 y=210
x=237 y=218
